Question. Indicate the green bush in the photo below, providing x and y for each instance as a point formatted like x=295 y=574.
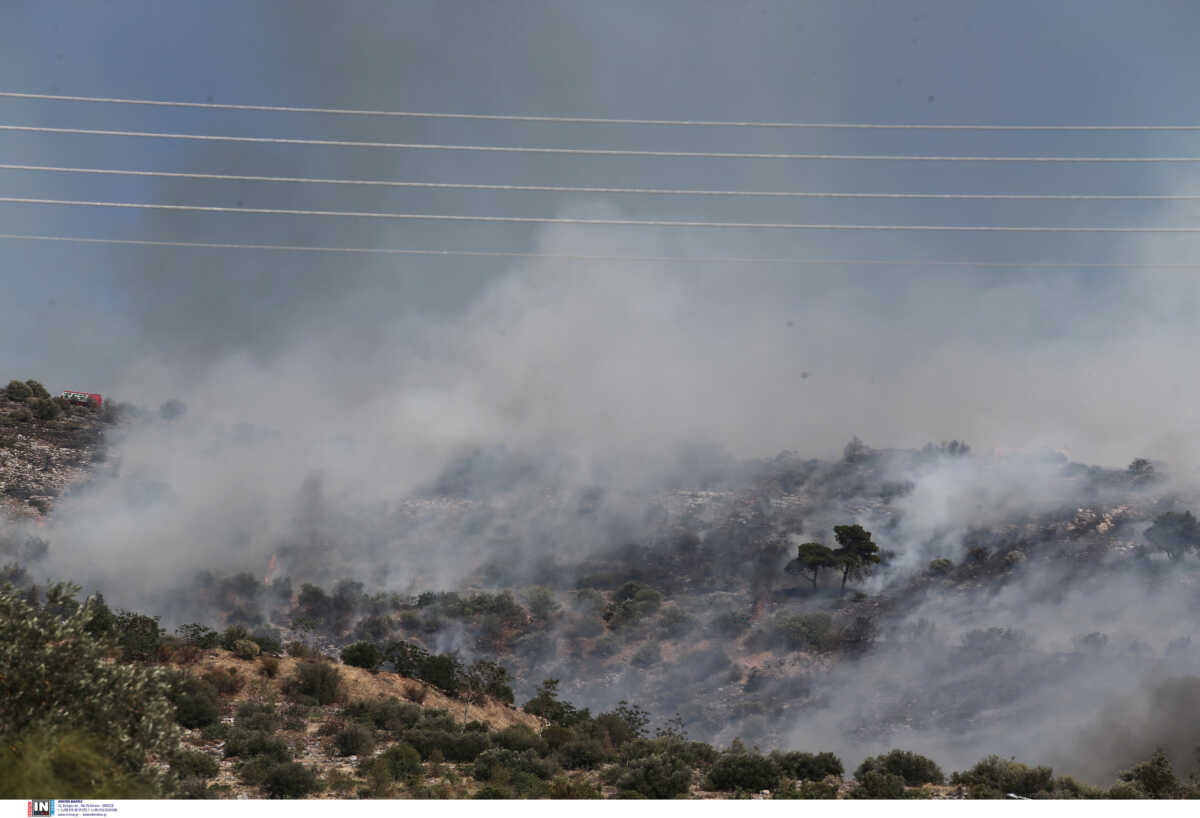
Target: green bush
x=251 y=743
x=914 y=769
x=194 y=764
x=72 y=764
x=656 y=776
x=289 y=780
x=138 y=635
x=45 y=409
x=354 y=740
x=196 y=702
x=730 y=624
x=749 y=772
x=1155 y=777
x=494 y=763
x=389 y=713
x=1004 y=776
x=940 y=567
x=37 y=390
x=57 y=677
x=583 y=754
x=246 y=649
x=258 y=716
x=199 y=635
x=519 y=738
x=267 y=641
x=451 y=745
x=269 y=666
x=232 y=635
x=403 y=763
x=808 y=766
x=878 y=784
x=362 y=654
x=317 y=681
x=17 y=390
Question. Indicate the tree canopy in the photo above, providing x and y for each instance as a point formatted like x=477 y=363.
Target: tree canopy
x=856 y=552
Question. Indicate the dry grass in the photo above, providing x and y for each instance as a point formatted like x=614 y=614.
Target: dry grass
x=358 y=683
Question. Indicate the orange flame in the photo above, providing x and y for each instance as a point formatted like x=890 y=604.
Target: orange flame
x=270 y=570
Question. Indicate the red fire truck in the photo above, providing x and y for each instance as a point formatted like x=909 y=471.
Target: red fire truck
x=84 y=398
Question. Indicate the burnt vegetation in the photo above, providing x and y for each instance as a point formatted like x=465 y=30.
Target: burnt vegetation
x=742 y=605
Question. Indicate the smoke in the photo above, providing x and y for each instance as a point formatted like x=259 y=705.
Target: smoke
x=409 y=422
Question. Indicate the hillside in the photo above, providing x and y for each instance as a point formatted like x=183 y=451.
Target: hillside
x=960 y=606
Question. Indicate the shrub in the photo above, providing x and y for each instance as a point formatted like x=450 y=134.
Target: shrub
x=384 y=714
x=496 y=762
x=256 y=743
x=37 y=390
x=45 y=409
x=583 y=754
x=1003 y=776
x=812 y=631
x=730 y=624
x=21 y=415
x=743 y=771
x=878 y=784
x=289 y=780
x=354 y=740
x=17 y=390
x=914 y=769
x=246 y=649
x=71 y=764
x=443 y=672
x=269 y=666
x=232 y=635
x=519 y=738
x=675 y=624
x=185 y=654
x=415 y=692
x=1155 y=776
x=317 y=681
x=57 y=677
x=138 y=635
x=196 y=702
x=257 y=716
x=299 y=650
x=226 y=682
x=452 y=746
x=362 y=654
x=199 y=635
x=808 y=766
x=402 y=762
x=656 y=776
x=940 y=567
x=194 y=764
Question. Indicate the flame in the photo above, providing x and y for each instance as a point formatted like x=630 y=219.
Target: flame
x=270 y=570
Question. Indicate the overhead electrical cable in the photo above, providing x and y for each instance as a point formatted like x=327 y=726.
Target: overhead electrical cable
x=590 y=120
x=279 y=211
x=351 y=143
x=604 y=258
x=607 y=190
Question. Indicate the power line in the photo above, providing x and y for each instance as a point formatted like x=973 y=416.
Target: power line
x=579 y=189
x=590 y=120
x=349 y=143
x=278 y=211
x=606 y=258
